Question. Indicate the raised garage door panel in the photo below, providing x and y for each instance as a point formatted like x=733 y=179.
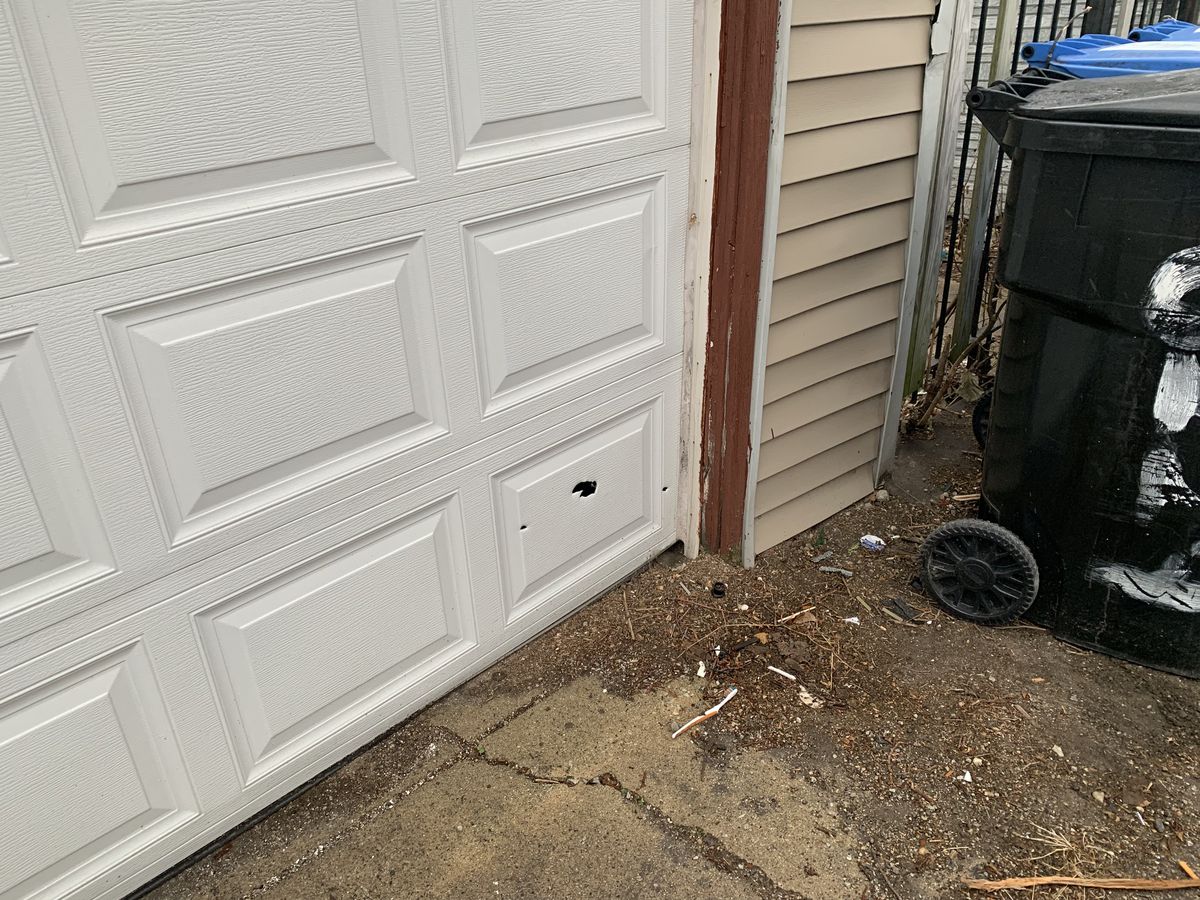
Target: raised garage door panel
x=340 y=353
x=104 y=724
x=171 y=130
x=183 y=488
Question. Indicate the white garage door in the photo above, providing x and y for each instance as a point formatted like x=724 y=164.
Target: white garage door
x=340 y=352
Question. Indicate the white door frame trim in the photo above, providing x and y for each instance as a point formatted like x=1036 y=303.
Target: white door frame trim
x=706 y=78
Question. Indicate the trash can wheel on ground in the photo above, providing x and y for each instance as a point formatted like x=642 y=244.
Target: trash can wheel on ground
x=979 y=571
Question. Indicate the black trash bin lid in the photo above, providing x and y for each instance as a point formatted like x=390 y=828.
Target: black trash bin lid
x=1148 y=116
x=1168 y=100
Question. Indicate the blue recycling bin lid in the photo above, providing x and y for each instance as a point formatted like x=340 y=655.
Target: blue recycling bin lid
x=1166 y=47
x=1166 y=30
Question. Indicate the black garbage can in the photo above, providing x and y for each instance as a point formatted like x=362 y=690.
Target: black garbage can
x=1091 y=484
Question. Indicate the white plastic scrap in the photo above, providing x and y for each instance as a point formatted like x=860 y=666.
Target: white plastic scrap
x=706 y=715
x=853 y=620
x=788 y=675
x=701 y=671
x=872 y=542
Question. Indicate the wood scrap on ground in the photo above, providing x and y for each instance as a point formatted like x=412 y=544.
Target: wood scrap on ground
x=1112 y=884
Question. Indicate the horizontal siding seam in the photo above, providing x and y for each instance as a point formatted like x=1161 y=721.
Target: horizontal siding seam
x=885 y=233
x=918 y=52
x=847 y=214
x=818 y=142
x=899 y=276
x=770 y=434
x=871 y=345
x=769 y=496
x=815 y=103
x=767 y=438
x=888 y=9
x=816 y=424
x=866 y=325
x=889 y=114
x=850 y=436
x=836 y=494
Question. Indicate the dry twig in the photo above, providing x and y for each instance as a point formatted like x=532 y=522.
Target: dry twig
x=1112 y=884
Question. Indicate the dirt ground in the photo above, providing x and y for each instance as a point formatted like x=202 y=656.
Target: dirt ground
x=925 y=752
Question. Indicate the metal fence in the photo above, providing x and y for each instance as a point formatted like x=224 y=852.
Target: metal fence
x=968 y=305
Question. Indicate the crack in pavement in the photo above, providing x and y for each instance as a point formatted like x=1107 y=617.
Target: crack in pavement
x=708 y=845
x=704 y=844
x=462 y=751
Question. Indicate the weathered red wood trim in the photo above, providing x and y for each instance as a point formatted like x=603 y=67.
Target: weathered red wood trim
x=744 y=104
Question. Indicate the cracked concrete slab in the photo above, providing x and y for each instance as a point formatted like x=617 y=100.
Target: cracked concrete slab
x=421 y=814
x=328 y=813
x=481 y=704
x=750 y=801
x=479 y=830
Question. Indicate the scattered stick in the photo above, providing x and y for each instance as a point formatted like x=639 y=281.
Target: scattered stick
x=920 y=793
x=1112 y=884
x=706 y=715
x=788 y=675
x=966 y=498
x=628 y=620
x=1188 y=870
x=796 y=614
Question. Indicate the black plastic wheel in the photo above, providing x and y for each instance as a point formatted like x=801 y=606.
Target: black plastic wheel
x=981 y=417
x=979 y=570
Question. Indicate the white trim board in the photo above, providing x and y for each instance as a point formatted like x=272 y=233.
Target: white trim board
x=706 y=77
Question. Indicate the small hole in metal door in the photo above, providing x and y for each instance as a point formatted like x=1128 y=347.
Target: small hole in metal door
x=584 y=488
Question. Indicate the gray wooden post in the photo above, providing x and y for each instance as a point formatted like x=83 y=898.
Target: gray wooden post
x=987 y=152
x=951 y=43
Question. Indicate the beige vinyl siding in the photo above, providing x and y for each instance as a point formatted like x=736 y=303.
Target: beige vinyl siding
x=809 y=404
x=812 y=12
x=798 y=372
x=825 y=433
x=807 y=248
x=821 y=102
x=816 y=471
x=805 y=511
x=852 y=124
x=841 y=148
x=821 y=199
x=846 y=48
x=808 y=290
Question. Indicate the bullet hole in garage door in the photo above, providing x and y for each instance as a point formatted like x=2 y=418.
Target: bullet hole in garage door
x=584 y=488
